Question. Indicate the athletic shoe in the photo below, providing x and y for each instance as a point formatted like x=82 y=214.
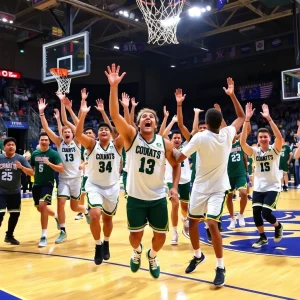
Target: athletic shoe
x=174 y=240
x=57 y=223
x=98 y=254
x=259 y=243
x=285 y=188
x=154 y=267
x=11 y=240
x=62 y=237
x=79 y=216
x=241 y=219
x=106 y=253
x=232 y=224
x=135 y=260
x=208 y=235
x=88 y=218
x=43 y=242
x=249 y=197
x=278 y=233
x=186 y=228
x=194 y=263
x=220 y=277
x=298 y=186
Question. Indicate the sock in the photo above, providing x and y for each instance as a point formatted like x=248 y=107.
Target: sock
x=152 y=253
x=175 y=229
x=220 y=263
x=106 y=239
x=63 y=227
x=55 y=215
x=86 y=211
x=138 y=249
x=197 y=253
x=263 y=235
x=44 y=232
x=98 y=242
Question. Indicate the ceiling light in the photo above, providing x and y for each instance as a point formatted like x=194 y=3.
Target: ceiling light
x=173 y=66
x=126 y=14
x=11 y=21
x=208 y=8
x=121 y=12
x=203 y=10
x=194 y=12
x=4 y=20
x=116 y=47
x=136 y=20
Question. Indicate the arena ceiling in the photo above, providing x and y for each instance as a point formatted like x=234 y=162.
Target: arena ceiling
x=238 y=22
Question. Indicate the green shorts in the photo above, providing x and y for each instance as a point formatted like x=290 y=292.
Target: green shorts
x=183 y=191
x=284 y=166
x=83 y=182
x=250 y=171
x=237 y=183
x=140 y=212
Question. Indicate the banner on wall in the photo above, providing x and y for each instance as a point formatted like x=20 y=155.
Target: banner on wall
x=16 y=125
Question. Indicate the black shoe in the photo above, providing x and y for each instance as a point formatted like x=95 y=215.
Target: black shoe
x=260 y=242
x=98 y=254
x=194 y=263
x=249 y=197
x=285 y=188
x=11 y=240
x=220 y=277
x=278 y=233
x=106 y=254
x=208 y=235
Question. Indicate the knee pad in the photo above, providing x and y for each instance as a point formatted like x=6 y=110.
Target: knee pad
x=258 y=220
x=268 y=216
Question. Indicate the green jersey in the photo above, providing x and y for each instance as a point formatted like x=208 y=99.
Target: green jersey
x=285 y=154
x=43 y=174
x=236 y=165
x=250 y=162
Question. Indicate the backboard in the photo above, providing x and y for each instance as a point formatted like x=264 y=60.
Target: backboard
x=70 y=53
x=290 y=80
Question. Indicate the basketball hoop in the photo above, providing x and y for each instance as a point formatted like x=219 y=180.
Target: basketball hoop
x=161 y=17
x=61 y=76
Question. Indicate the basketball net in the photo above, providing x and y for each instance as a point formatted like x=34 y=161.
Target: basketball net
x=61 y=76
x=161 y=17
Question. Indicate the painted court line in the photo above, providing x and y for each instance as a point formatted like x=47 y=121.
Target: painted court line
x=165 y=273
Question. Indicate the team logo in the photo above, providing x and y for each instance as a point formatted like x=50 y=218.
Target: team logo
x=241 y=238
x=158 y=144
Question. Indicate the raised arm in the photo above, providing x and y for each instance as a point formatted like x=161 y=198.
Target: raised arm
x=164 y=122
x=132 y=111
x=125 y=130
x=237 y=106
x=179 y=99
x=169 y=127
x=278 y=137
x=218 y=107
x=125 y=104
x=87 y=142
x=66 y=102
x=243 y=138
x=53 y=137
x=197 y=112
x=59 y=125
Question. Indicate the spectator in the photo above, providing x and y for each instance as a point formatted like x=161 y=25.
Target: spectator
x=6 y=108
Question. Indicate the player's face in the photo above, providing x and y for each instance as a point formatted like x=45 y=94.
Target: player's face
x=176 y=140
x=67 y=135
x=263 y=139
x=10 y=148
x=90 y=133
x=44 y=142
x=202 y=127
x=104 y=134
x=147 y=122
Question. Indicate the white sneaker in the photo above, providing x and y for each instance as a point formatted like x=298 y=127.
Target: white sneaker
x=174 y=240
x=79 y=216
x=186 y=227
x=242 y=222
x=232 y=224
x=43 y=242
x=298 y=186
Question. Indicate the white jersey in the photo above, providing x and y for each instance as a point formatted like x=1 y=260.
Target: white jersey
x=71 y=159
x=213 y=150
x=104 y=165
x=267 y=175
x=86 y=159
x=185 y=175
x=146 y=168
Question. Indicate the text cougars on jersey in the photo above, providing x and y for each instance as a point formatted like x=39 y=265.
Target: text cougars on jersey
x=105 y=156
x=148 y=151
x=264 y=158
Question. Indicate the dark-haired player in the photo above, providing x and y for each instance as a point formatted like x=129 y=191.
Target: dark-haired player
x=266 y=177
x=211 y=183
x=11 y=167
x=45 y=162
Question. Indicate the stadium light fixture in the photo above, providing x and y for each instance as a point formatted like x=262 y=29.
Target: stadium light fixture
x=11 y=21
x=173 y=66
x=121 y=12
x=203 y=9
x=136 y=20
x=194 y=12
x=208 y=8
x=126 y=14
x=4 y=20
x=116 y=47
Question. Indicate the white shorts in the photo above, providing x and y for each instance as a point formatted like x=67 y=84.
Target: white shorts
x=69 y=188
x=281 y=173
x=106 y=198
x=207 y=206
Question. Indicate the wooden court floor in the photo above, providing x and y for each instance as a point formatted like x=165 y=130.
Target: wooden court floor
x=67 y=271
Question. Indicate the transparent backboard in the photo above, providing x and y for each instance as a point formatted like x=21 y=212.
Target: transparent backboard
x=70 y=53
x=290 y=80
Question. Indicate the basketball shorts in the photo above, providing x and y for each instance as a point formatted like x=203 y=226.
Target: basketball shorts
x=265 y=199
x=10 y=202
x=183 y=191
x=284 y=166
x=42 y=193
x=106 y=198
x=69 y=188
x=141 y=212
x=209 y=205
x=237 y=183
x=83 y=182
